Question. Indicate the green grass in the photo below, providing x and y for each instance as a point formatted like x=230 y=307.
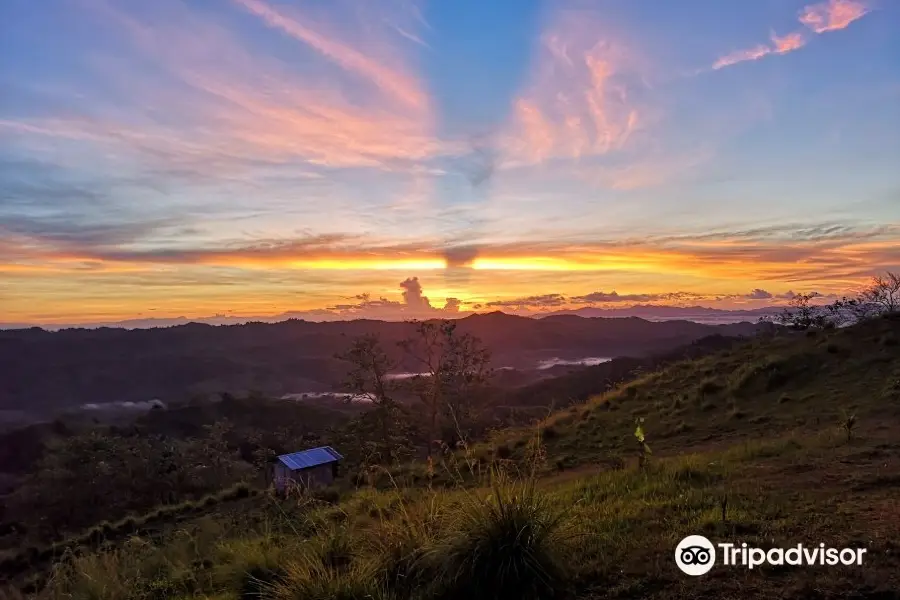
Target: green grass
x=765 y=387
x=514 y=538
x=758 y=457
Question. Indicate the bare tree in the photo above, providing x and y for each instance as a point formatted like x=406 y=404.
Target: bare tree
x=882 y=296
x=455 y=367
x=802 y=314
x=883 y=293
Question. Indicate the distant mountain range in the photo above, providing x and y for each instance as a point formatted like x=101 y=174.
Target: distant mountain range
x=46 y=371
x=651 y=312
x=698 y=314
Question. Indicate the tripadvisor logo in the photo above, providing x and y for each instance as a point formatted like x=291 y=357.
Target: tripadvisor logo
x=696 y=555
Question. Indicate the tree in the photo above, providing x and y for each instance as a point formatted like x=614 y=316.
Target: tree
x=882 y=296
x=883 y=293
x=368 y=380
x=456 y=368
x=802 y=315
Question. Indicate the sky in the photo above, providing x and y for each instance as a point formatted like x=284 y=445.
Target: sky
x=407 y=158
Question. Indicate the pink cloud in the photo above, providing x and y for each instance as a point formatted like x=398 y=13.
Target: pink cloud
x=788 y=43
x=399 y=85
x=823 y=17
x=739 y=56
x=234 y=109
x=577 y=102
x=832 y=15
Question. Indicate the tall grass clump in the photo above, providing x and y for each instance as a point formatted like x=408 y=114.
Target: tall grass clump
x=326 y=567
x=251 y=566
x=402 y=546
x=508 y=544
x=308 y=578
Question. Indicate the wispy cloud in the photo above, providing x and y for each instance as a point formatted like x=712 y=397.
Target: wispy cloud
x=399 y=85
x=578 y=102
x=820 y=18
x=786 y=253
x=832 y=15
x=234 y=109
x=739 y=56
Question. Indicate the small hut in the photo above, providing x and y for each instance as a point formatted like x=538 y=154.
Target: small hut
x=317 y=467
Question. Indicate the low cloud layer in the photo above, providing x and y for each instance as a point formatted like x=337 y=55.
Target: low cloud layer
x=414 y=305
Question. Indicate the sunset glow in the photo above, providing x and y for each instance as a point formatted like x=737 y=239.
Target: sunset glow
x=407 y=158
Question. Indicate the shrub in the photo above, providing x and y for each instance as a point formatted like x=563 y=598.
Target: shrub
x=508 y=545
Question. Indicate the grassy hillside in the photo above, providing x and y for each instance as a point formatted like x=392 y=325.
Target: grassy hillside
x=750 y=444
x=796 y=382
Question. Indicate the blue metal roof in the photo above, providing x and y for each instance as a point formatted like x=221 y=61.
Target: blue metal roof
x=310 y=458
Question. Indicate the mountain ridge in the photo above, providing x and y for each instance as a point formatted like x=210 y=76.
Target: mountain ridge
x=52 y=370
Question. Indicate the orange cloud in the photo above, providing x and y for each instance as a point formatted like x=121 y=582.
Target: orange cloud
x=832 y=15
x=44 y=283
x=775 y=253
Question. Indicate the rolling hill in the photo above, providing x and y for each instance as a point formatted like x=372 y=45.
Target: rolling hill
x=44 y=372
x=779 y=440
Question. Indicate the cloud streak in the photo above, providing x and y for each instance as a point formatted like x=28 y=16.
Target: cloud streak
x=820 y=18
x=785 y=254
x=234 y=112
x=402 y=87
x=739 y=56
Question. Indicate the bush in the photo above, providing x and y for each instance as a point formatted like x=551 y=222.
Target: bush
x=508 y=545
